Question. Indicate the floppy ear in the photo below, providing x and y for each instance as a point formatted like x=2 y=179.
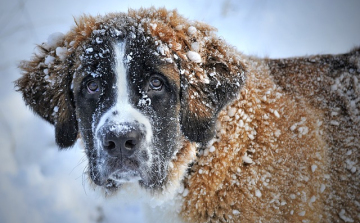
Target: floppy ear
x=46 y=88
x=207 y=86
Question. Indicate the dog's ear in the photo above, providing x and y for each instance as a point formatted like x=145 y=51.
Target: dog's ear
x=211 y=77
x=46 y=88
x=46 y=84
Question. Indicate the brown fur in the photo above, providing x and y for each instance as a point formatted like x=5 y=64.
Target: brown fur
x=282 y=184
x=227 y=188
x=286 y=147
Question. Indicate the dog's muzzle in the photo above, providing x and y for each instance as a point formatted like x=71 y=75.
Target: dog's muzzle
x=121 y=152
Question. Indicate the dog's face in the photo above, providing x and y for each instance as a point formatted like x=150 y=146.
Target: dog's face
x=127 y=103
x=134 y=87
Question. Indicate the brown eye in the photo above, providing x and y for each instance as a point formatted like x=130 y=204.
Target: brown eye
x=93 y=87
x=156 y=84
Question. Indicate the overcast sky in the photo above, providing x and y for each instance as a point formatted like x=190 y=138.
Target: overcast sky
x=40 y=184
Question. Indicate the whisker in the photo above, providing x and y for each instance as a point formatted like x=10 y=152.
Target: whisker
x=84 y=175
x=80 y=162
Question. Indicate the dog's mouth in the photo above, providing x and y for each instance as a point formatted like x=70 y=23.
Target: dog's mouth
x=119 y=177
x=111 y=172
x=124 y=176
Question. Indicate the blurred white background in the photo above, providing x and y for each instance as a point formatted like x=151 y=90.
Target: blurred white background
x=38 y=183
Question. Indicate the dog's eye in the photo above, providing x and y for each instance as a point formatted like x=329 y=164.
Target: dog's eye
x=93 y=86
x=156 y=84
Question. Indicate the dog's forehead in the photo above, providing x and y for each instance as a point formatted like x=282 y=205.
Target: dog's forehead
x=98 y=57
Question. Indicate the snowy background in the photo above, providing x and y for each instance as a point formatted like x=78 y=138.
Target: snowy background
x=40 y=184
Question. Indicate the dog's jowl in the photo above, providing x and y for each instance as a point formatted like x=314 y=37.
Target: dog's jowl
x=164 y=105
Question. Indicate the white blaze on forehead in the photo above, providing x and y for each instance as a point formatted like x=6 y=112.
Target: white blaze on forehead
x=121 y=73
x=125 y=112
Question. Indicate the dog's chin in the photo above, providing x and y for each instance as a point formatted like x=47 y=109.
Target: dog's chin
x=124 y=176
x=119 y=178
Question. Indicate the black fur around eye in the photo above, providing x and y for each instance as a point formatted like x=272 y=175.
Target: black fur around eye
x=156 y=83
x=93 y=86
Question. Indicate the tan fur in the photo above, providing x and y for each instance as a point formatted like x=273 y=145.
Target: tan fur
x=82 y=31
x=286 y=149
x=304 y=153
x=180 y=162
x=172 y=73
x=279 y=184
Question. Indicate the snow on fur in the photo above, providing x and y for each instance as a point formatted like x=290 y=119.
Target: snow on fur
x=281 y=148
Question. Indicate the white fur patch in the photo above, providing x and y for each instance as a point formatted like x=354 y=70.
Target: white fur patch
x=126 y=113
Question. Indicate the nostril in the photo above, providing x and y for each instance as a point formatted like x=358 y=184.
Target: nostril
x=109 y=145
x=130 y=144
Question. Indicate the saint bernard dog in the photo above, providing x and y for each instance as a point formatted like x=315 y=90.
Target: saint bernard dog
x=163 y=105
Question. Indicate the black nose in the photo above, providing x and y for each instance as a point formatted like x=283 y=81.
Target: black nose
x=124 y=142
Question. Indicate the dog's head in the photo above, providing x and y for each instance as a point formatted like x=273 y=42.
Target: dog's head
x=135 y=88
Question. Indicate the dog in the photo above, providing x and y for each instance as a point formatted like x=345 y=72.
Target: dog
x=164 y=105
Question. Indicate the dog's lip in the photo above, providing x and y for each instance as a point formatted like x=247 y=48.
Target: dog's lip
x=125 y=175
x=117 y=177
x=121 y=176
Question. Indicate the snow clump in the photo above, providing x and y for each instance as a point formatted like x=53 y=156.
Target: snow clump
x=194 y=57
x=343 y=217
x=49 y=60
x=54 y=39
x=191 y=30
x=61 y=52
